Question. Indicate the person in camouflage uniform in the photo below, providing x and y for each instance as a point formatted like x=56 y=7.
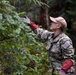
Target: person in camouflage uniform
x=58 y=45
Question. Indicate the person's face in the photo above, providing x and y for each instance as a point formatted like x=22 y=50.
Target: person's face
x=54 y=26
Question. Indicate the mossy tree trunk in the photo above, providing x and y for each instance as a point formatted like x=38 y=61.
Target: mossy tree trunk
x=44 y=16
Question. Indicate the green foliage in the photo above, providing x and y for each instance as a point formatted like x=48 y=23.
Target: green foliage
x=20 y=53
x=39 y=3
x=30 y=1
x=26 y=5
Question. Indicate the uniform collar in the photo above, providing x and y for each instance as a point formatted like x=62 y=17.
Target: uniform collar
x=56 y=38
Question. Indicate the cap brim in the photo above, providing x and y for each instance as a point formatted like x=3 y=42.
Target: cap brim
x=53 y=19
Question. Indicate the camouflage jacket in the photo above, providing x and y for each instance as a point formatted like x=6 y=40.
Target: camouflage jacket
x=59 y=48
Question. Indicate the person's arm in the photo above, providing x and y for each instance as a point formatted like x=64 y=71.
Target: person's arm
x=41 y=33
x=33 y=26
x=68 y=53
x=67 y=65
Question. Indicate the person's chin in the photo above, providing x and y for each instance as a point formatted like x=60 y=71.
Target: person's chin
x=51 y=29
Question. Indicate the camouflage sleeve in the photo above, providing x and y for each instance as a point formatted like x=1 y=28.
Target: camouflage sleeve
x=42 y=34
x=67 y=49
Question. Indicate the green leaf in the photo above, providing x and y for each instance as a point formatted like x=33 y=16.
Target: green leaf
x=1 y=16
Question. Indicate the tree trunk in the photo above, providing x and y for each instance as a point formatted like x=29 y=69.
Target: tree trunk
x=43 y=20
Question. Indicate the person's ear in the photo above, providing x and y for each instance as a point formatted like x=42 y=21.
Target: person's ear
x=59 y=26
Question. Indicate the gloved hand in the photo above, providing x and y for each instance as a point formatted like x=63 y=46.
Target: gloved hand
x=32 y=25
x=27 y=19
x=61 y=72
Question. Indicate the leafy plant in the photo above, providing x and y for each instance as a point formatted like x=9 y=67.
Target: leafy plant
x=20 y=53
